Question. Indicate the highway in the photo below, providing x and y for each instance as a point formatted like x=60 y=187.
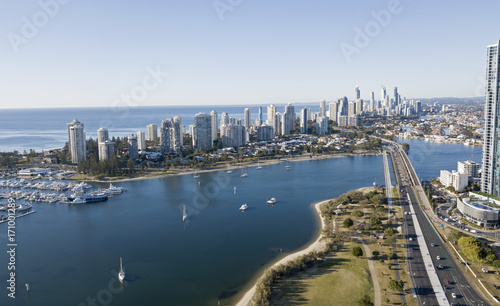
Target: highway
x=435 y=275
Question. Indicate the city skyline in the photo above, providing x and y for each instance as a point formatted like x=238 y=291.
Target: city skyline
x=248 y=53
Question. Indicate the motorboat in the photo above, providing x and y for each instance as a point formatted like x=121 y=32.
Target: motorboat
x=121 y=274
x=271 y=201
x=244 y=207
x=78 y=201
x=184 y=213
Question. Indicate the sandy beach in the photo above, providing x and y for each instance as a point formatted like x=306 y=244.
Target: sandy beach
x=317 y=245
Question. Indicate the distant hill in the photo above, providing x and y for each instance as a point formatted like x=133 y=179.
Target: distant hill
x=452 y=100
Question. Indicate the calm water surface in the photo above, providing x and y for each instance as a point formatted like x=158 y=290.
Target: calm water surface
x=69 y=254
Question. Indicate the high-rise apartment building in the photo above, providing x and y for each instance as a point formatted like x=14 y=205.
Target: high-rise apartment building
x=247 y=119
x=303 y=121
x=357 y=92
x=333 y=111
x=202 y=137
x=76 y=141
x=469 y=167
x=260 y=116
x=152 y=132
x=141 y=140
x=321 y=125
x=288 y=123
x=322 y=108
x=171 y=135
x=271 y=114
x=215 y=129
x=105 y=147
x=102 y=135
x=490 y=177
x=133 y=148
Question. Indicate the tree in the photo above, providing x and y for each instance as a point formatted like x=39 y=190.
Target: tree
x=348 y=222
x=406 y=147
x=365 y=300
x=375 y=253
x=375 y=222
x=396 y=285
x=357 y=213
x=357 y=251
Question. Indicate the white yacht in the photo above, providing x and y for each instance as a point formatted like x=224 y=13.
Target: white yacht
x=184 y=214
x=229 y=171
x=196 y=175
x=244 y=207
x=244 y=173
x=121 y=274
x=259 y=167
x=79 y=201
x=271 y=201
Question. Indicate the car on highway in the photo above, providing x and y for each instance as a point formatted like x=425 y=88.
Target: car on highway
x=440 y=266
x=438 y=258
x=448 y=282
x=453 y=295
x=432 y=244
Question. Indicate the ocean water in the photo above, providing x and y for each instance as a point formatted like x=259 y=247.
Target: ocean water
x=44 y=129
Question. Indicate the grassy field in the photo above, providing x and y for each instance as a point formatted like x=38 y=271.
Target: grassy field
x=339 y=280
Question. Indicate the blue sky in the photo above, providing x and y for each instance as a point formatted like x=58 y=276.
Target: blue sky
x=96 y=53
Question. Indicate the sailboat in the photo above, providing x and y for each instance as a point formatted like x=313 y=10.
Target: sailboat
x=121 y=274
x=287 y=167
x=243 y=173
x=229 y=171
x=196 y=175
x=184 y=213
x=258 y=165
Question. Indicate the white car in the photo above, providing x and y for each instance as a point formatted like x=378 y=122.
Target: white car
x=438 y=258
x=453 y=295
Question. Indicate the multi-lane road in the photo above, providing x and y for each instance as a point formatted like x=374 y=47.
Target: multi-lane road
x=436 y=277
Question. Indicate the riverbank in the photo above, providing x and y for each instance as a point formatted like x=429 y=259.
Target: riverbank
x=237 y=166
x=317 y=245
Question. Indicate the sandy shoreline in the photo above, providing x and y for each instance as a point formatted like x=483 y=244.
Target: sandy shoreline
x=234 y=166
x=317 y=245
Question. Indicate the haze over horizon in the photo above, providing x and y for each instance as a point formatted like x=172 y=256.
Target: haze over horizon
x=59 y=53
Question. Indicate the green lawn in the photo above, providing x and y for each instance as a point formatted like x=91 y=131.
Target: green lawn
x=340 y=280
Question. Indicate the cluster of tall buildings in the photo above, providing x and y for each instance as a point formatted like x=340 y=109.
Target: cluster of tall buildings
x=466 y=171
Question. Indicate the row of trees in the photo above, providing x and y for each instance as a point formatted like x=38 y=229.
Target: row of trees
x=263 y=288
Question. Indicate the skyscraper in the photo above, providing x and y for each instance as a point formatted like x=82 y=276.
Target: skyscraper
x=303 y=121
x=141 y=140
x=373 y=107
x=271 y=112
x=106 y=150
x=490 y=179
x=152 y=132
x=322 y=108
x=76 y=141
x=202 y=137
x=383 y=93
x=105 y=147
x=224 y=120
x=102 y=135
x=333 y=111
x=246 y=116
x=322 y=125
x=396 y=96
x=215 y=130
x=260 y=115
x=357 y=92
x=288 y=123
x=171 y=135
x=133 y=149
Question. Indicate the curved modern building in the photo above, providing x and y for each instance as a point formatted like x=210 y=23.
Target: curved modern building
x=478 y=212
